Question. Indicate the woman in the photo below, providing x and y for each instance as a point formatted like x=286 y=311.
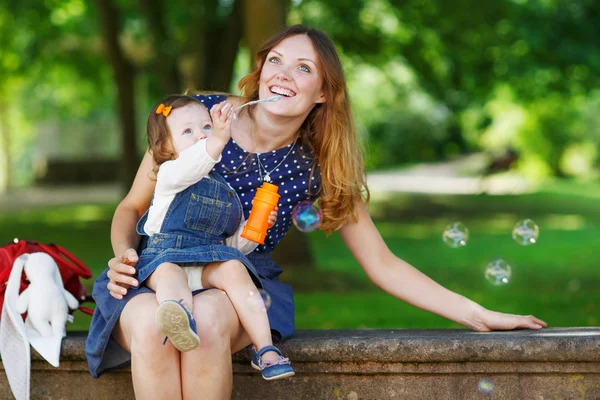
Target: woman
x=306 y=143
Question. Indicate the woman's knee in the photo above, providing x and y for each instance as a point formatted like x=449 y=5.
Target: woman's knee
x=216 y=319
x=143 y=337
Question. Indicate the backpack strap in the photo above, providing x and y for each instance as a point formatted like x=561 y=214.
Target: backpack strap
x=60 y=253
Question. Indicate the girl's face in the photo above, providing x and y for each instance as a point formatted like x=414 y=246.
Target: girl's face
x=291 y=70
x=189 y=124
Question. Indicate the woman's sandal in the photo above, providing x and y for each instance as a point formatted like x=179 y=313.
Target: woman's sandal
x=177 y=323
x=271 y=370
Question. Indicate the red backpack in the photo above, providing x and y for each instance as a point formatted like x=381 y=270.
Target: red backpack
x=71 y=268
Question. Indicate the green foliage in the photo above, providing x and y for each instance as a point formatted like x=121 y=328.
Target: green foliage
x=461 y=53
x=555 y=279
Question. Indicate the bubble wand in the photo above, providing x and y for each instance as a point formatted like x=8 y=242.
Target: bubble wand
x=271 y=99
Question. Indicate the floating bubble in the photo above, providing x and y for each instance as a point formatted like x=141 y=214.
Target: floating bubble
x=525 y=232
x=266 y=298
x=259 y=300
x=456 y=235
x=498 y=272
x=306 y=216
x=574 y=285
x=485 y=386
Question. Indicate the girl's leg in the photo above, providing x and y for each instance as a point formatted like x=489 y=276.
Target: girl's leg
x=207 y=369
x=232 y=277
x=155 y=369
x=170 y=282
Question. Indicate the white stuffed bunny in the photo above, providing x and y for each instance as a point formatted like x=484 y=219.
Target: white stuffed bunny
x=46 y=301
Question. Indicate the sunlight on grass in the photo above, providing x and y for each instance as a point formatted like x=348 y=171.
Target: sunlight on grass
x=556 y=279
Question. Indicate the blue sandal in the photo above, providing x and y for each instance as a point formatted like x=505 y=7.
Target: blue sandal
x=271 y=370
x=177 y=323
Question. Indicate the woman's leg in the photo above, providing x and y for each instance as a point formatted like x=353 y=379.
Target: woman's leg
x=155 y=368
x=170 y=282
x=207 y=369
x=232 y=277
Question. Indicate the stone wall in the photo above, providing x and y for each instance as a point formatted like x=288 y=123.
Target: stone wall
x=559 y=363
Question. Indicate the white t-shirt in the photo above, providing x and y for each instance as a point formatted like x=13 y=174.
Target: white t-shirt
x=174 y=176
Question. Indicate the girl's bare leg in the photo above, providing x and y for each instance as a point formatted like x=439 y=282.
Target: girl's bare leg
x=232 y=277
x=207 y=369
x=170 y=282
x=155 y=369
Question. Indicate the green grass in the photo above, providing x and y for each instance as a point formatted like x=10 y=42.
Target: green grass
x=557 y=279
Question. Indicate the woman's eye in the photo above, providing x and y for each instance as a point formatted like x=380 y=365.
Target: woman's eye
x=304 y=68
x=188 y=131
x=274 y=60
x=207 y=127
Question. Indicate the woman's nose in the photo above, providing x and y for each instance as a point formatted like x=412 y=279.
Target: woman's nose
x=284 y=76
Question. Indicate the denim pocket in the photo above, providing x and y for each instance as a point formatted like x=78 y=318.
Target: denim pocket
x=207 y=214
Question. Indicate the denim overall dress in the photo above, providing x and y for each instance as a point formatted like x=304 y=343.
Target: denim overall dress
x=296 y=184
x=198 y=221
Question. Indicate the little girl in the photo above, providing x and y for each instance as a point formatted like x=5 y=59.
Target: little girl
x=194 y=226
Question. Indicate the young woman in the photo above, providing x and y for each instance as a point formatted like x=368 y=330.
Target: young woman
x=306 y=144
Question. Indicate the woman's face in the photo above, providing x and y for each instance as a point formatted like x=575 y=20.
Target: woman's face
x=292 y=71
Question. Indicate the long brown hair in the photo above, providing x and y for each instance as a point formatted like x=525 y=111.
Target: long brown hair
x=328 y=130
x=160 y=142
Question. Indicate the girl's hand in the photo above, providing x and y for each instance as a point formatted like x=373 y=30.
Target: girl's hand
x=121 y=270
x=483 y=320
x=222 y=115
x=273 y=217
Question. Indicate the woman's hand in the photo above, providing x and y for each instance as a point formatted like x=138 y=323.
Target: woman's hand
x=121 y=270
x=272 y=217
x=483 y=320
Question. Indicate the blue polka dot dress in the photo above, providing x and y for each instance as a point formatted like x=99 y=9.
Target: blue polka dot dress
x=294 y=170
x=290 y=168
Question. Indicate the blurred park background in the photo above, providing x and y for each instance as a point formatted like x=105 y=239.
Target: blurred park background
x=481 y=112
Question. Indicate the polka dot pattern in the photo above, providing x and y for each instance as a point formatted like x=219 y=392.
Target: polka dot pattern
x=240 y=170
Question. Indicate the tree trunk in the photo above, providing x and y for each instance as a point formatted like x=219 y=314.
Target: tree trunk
x=165 y=61
x=212 y=47
x=124 y=78
x=294 y=251
x=220 y=56
x=262 y=19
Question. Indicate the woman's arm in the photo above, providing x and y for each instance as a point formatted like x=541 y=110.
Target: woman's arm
x=123 y=236
x=405 y=282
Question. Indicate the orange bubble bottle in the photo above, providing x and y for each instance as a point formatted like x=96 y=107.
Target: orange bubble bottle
x=265 y=201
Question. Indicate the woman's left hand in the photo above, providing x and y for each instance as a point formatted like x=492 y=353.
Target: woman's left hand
x=483 y=320
x=273 y=217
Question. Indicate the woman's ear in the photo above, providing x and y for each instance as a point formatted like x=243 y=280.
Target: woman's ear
x=321 y=99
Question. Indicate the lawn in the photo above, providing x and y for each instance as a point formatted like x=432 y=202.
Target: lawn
x=557 y=279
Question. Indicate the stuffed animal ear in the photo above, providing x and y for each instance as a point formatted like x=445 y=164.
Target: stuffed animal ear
x=57 y=277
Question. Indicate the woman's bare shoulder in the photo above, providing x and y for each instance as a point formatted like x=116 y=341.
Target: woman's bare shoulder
x=235 y=100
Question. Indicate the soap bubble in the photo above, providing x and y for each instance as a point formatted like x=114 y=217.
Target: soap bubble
x=525 y=232
x=498 y=272
x=266 y=298
x=306 y=216
x=259 y=300
x=485 y=386
x=456 y=235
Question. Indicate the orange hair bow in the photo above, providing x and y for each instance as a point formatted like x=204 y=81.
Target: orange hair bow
x=164 y=110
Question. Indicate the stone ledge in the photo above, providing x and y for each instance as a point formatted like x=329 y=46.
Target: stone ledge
x=553 y=363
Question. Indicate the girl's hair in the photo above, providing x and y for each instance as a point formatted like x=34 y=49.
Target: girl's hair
x=328 y=130
x=160 y=142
